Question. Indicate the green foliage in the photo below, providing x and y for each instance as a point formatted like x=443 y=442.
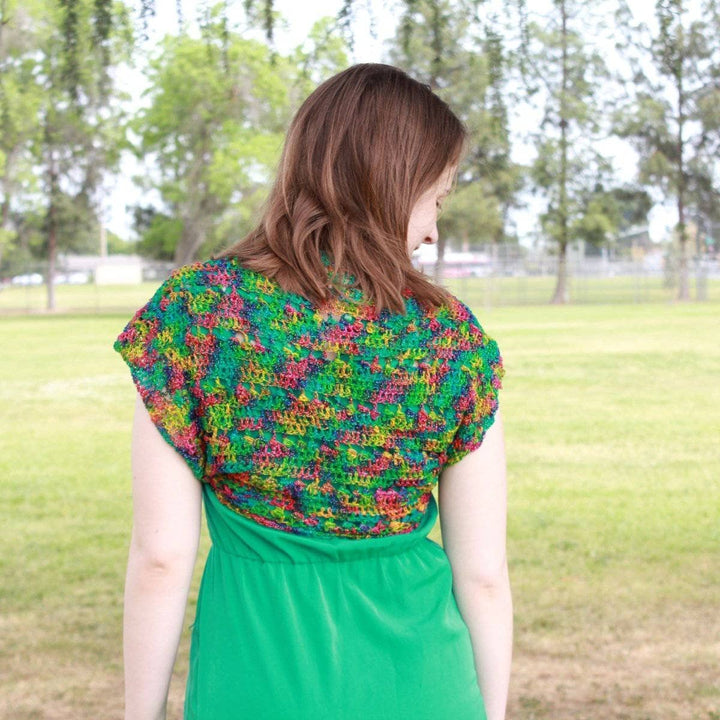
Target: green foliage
x=464 y=61
x=71 y=64
x=472 y=216
x=566 y=73
x=219 y=103
x=28 y=247
x=633 y=204
x=119 y=246
x=599 y=220
x=213 y=128
x=321 y=56
x=78 y=228
x=672 y=116
x=159 y=233
x=61 y=133
x=567 y=167
x=20 y=103
x=211 y=132
x=259 y=13
x=8 y=242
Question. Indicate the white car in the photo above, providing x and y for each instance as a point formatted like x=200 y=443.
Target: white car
x=28 y=279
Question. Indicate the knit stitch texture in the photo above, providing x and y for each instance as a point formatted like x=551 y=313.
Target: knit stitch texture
x=336 y=420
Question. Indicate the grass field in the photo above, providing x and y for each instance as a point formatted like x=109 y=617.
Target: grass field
x=612 y=416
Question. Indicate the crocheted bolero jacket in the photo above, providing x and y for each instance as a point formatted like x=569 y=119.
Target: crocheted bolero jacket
x=336 y=422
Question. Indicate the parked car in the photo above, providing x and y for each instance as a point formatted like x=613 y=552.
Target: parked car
x=77 y=277
x=28 y=279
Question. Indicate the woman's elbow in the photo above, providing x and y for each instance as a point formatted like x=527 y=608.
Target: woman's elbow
x=487 y=578
x=162 y=558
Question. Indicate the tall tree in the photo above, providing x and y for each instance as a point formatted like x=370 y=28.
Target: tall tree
x=673 y=113
x=20 y=99
x=81 y=132
x=462 y=58
x=218 y=106
x=59 y=115
x=565 y=71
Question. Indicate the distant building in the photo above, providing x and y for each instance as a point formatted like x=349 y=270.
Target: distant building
x=113 y=269
x=455 y=264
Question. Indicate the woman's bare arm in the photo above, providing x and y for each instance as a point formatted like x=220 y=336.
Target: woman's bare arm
x=163 y=548
x=473 y=510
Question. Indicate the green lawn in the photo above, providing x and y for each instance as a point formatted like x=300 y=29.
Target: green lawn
x=612 y=416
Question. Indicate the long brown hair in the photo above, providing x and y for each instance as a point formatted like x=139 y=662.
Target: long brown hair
x=363 y=147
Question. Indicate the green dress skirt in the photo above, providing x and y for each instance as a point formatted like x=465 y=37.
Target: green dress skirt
x=290 y=627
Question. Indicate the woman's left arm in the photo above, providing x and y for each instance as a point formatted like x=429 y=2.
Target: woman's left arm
x=473 y=501
x=167 y=500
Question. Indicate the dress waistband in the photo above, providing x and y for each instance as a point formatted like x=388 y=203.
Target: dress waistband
x=237 y=535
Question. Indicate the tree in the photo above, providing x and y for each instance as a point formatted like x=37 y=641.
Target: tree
x=607 y=213
x=61 y=129
x=158 y=232
x=212 y=133
x=564 y=68
x=81 y=132
x=20 y=100
x=673 y=114
x=473 y=216
x=463 y=59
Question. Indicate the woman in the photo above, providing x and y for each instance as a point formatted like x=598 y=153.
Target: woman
x=312 y=387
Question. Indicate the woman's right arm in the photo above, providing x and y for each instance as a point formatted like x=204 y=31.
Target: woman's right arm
x=166 y=529
x=473 y=510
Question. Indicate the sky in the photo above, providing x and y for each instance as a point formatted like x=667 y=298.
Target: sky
x=299 y=16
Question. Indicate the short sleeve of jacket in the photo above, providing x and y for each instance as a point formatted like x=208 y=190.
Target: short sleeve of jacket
x=482 y=372
x=157 y=346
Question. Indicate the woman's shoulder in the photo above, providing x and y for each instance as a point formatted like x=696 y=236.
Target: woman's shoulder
x=203 y=282
x=454 y=319
x=215 y=273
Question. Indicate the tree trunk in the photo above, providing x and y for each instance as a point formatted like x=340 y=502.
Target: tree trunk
x=197 y=211
x=4 y=224
x=52 y=234
x=185 y=250
x=52 y=256
x=193 y=235
x=683 y=279
x=683 y=270
x=6 y=202
x=561 y=294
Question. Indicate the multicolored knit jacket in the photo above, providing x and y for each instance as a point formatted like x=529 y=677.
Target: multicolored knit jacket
x=336 y=422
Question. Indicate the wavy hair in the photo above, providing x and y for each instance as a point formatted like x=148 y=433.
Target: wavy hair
x=361 y=150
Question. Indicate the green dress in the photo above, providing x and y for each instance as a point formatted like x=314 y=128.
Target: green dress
x=318 y=438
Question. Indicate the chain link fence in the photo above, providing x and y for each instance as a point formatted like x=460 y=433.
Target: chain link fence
x=510 y=276
x=487 y=279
